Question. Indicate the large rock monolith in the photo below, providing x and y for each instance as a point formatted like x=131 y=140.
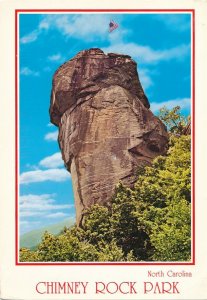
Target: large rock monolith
x=106 y=130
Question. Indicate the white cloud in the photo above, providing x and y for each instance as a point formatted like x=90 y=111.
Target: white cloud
x=28 y=72
x=184 y=103
x=116 y=36
x=83 y=25
x=175 y=22
x=32 y=167
x=57 y=215
x=145 y=54
x=145 y=78
x=25 y=214
x=40 y=205
x=27 y=225
x=50 y=125
x=53 y=161
x=95 y=26
x=31 y=37
x=176 y=53
x=56 y=175
x=88 y=26
x=56 y=57
x=51 y=136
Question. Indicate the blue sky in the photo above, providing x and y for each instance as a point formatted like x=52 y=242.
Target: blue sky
x=159 y=43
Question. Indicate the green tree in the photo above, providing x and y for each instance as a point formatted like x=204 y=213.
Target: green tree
x=168 y=176
x=171 y=234
x=163 y=196
x=97 y=224
x=65 y=247
x=26 y=255
x=126 y=228
x=111 y=252
x=173 y=119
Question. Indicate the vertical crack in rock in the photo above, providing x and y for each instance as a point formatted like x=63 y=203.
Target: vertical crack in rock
x=106 y=130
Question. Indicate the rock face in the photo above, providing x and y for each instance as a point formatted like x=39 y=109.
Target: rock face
x=106 y=130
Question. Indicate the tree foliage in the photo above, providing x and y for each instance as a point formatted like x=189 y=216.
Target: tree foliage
x=173 y=119
x=151 y=222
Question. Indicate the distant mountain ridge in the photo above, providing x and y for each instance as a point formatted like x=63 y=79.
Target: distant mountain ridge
x=32 y=238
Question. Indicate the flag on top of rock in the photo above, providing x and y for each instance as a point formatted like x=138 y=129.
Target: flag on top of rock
x=112 y=26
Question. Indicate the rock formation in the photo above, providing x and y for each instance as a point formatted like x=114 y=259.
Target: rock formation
x=106 y=130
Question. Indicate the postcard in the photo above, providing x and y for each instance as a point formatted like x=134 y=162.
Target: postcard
x=103 y=150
